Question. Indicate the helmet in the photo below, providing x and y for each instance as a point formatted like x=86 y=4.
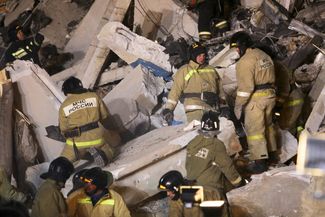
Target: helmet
x=210 y=121
x=13 y=31
x=60 y=170
x=96 y=176
x=72 y=85
x=171 y=181
x=242 y=41
x=196 y=49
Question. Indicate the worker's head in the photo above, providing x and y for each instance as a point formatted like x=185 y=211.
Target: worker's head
x=16 y=33
x=198 y=53
x=241 y=41
x=60 y=170
x=210 y=124
x=171 y=182
x=96 y=179
x=72 y=85
x=77 y=180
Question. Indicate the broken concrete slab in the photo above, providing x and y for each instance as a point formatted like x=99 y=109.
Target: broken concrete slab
x=115 y=74
x=40 y=101
x=6 y=106
x=289 y=145
x=304 y=29
x=300 y=56
x=312 y=13
x=319 y=64
x=317 y=115
x=283 y=186
x=131 y=102
x=130 y=46
x=251 y=3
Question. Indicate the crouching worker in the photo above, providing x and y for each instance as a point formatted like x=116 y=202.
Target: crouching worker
x=100 y=200
x=49 y=200
x=171 y=182
x=207 y=161
x=79 y=118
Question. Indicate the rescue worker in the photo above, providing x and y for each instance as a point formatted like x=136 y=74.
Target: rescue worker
x=171 y=182
x=22 y=47
x=207 y=161
x=256 y=99
x=198 y=83
x=100 y=200
x=7 y=191
x=79 y=117
x=210 y=17
x=49 y=200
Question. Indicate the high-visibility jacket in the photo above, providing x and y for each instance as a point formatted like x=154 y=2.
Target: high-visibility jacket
x=254 y=68
x=208 y=163
x=26 y=49
x=7 y=191
x=49 y=201
x=111 y=205
x=81 y=109
x=193 y=78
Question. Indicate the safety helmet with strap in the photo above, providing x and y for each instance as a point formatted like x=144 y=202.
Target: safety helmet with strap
x=171 y=181
x=72 y=85
x=196 y=49
x=242 y=41
x=60 y=170
x=98 y=177
x=210 y=121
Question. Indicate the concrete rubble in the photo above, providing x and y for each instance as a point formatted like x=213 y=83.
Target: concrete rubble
x=134 y=95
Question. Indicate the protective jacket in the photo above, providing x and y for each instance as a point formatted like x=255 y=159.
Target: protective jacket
x=7 y=191
x=255 y=78
x=111 y=205
x=208 y=163
x=190 y=81
x=283 y=79
x=177 y=209
x=26 y=49
x=79 y=110
x=49 y=201
x=291 y=110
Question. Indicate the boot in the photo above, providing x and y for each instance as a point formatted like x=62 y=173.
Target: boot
x=257 y=166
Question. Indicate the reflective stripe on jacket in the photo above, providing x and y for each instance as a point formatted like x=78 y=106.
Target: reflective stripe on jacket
x=193 y=78
x=78 y=110
x=111 y=205
x=254 y=68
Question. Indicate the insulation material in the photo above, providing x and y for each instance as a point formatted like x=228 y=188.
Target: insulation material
x=130 y=46
x=26 y=147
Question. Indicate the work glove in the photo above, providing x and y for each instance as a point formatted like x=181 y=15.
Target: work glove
x=238 y=110
x=241 y=183
x=168 y=116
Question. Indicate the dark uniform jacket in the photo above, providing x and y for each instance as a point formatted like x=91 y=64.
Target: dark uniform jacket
x=208 y=163
x=7 y=191
x=49 y=201
x=25 y=49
